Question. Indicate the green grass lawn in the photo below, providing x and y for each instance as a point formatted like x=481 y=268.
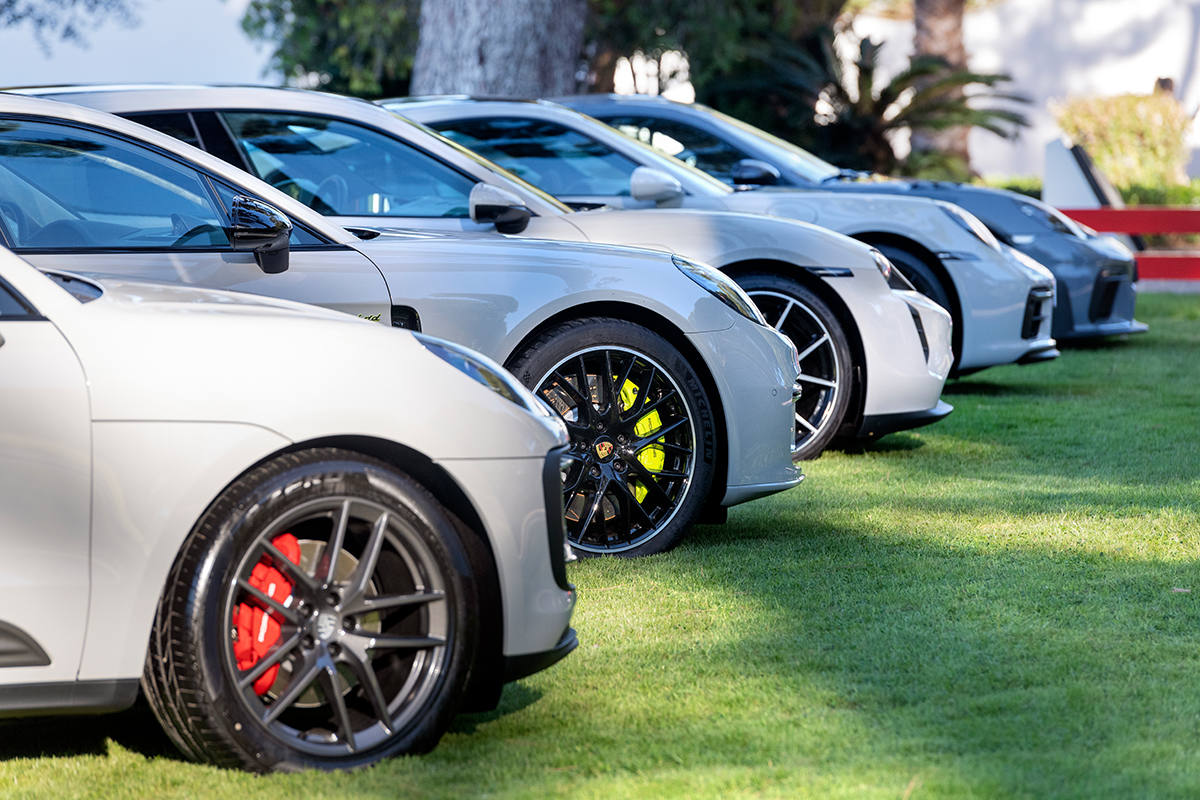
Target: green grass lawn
x=1006 y=604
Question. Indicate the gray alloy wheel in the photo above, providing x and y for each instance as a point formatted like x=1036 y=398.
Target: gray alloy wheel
x=825 y=362
x=319 y=616
x=640 y=462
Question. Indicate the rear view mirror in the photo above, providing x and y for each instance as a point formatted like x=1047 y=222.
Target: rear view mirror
x=500 y=207
x=263 y=230
x=649 y=185
x=752 y=172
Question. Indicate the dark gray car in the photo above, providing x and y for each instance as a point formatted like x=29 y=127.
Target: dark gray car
x=1096 y=274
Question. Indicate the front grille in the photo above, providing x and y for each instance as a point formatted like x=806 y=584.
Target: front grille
x=916 y=318
x=556 y=529
x=1037 y=311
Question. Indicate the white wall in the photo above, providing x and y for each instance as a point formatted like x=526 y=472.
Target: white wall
x=1056 y=49
x=175 y=40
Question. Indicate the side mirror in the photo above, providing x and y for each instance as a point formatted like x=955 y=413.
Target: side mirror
x=263 y=230
x=752 y=172
x=650 y=185
x=500 y=207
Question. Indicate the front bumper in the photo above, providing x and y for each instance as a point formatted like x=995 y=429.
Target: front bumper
x=515 y=501
x=907 y=344
x=517 y=667
x=754 y=370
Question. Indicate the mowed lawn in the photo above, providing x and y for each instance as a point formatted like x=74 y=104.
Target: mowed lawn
x=1006 y=604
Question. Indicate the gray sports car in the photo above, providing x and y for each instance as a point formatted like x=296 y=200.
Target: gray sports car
x=1096 y=274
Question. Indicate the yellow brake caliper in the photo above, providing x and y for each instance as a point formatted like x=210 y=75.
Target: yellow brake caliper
x=652 y=457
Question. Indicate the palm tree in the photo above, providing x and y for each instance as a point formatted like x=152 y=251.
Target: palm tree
x=808 y=95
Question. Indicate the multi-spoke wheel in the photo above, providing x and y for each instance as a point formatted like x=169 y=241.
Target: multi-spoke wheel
x=640 y=462
x=825 y=367
x=318 y=616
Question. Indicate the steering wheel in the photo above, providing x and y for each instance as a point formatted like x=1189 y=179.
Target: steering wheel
x=178 y=223
x=24 y=224
x=334 y=191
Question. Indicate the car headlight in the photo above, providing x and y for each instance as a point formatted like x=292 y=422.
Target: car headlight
x=894 y=277
x=483 y=370
x=971 y=224
x=720 y=286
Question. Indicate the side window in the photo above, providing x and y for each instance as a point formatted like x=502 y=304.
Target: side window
x=63 y=187
x=177 y=124
x=12 y=306
x=553 y=158
x=689 y=144
x=342 y=169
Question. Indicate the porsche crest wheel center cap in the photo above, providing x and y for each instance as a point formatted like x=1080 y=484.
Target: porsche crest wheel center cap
x=327 y=625
x=603 y=448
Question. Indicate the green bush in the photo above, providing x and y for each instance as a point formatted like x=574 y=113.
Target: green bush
x=1022 y=184
x=1135 y=140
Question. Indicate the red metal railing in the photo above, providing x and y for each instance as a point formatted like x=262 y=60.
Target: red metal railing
x=1161 y=264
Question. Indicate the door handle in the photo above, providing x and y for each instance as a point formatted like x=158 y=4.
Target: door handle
x=1 y=340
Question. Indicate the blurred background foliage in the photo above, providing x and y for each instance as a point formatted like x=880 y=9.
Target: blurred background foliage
x=1135 y=140
x=792 y=68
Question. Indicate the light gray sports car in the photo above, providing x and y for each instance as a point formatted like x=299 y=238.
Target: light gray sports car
x=677 y=396
x=874 y=356
x=1096 y=274
x=196 y=492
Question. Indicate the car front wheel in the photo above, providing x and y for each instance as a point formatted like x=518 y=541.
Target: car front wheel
x=825 y=364
x=320 y=615
x=641 y=458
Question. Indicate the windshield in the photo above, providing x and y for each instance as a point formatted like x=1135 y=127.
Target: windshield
x=490 y=166
x=809 y=166
x=572 y=156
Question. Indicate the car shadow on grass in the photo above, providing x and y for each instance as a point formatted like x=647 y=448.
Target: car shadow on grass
x=1011 y=671
x=517 y=696
x=134 y=729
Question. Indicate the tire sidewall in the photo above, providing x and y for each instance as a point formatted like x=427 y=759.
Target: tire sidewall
x=847 y=389
x=532 y=363
x=206 y=629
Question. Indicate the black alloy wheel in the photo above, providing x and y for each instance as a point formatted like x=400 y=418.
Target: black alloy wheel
x=825 y=362
x=640 y=462
x=318 y=616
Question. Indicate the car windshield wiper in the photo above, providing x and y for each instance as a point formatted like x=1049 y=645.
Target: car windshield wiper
x=845 y=175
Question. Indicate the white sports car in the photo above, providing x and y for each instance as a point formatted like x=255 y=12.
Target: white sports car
x=874 y=353
x=247 y=505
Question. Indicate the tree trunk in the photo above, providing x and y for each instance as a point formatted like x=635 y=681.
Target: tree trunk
x=938 y=31
x=511 y=48
x=603 y=71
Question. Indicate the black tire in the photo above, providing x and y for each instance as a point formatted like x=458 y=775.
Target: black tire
x=826 y=364
x=643 y=443
x=409 y=614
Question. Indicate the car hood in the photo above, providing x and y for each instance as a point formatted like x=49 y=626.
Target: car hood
x=721 y=237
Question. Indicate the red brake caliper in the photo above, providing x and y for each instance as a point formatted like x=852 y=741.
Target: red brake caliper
x=258 y=630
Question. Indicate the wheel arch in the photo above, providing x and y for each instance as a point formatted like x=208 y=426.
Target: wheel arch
x=484 y=682
x=712 y=509
x=829 y=295
x=926 y=256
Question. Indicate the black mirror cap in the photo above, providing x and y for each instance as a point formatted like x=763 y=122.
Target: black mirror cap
x=507 y=219
x=752 y=172
x=263 y=230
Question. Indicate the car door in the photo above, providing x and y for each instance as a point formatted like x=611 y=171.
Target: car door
x=45 y=496
x=88 y=200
